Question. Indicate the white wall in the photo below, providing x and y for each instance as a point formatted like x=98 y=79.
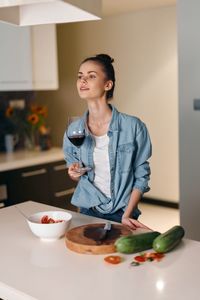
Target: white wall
x=189 y=89
x=144 y=47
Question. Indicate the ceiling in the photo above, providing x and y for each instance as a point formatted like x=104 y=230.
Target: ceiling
x=114 y=7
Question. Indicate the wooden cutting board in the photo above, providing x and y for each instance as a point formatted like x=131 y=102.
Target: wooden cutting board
x=79 y=239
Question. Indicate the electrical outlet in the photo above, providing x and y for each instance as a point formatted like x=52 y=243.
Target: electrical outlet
x=17 y=103
x=196 y=104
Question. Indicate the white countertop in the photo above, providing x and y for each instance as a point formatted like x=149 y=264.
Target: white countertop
x=32 y=269
x=26 y=158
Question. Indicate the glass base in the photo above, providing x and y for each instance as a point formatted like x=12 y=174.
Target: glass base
x=83 y=170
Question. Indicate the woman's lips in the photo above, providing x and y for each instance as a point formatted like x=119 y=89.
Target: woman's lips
x=84 y=89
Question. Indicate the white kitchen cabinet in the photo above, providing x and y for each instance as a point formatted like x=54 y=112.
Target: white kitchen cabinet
x=28 y=58
x=15 y=58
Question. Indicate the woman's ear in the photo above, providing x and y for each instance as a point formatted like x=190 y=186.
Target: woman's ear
x=109 y=85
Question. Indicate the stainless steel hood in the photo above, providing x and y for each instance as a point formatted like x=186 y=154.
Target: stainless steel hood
x=36 y=12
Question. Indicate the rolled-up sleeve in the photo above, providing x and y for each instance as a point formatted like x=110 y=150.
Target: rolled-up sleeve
x=141 y=165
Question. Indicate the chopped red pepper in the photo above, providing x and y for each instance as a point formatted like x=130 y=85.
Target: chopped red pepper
x=149 y=257
x=154 y=256
x=140 y=258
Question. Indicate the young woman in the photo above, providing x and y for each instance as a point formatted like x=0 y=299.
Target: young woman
x=117 y=147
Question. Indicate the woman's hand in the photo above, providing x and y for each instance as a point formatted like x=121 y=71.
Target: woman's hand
x=133 y=224
x=74 y=172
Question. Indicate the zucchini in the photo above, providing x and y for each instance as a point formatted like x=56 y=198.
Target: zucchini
x=135 y=243
x=169 y=239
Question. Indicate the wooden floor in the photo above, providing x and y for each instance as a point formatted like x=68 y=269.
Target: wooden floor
x=157 y=217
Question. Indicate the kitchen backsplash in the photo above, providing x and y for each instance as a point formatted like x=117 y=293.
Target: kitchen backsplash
x=5 y=98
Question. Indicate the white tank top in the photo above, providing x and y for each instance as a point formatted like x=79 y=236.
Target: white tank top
x=102 y=164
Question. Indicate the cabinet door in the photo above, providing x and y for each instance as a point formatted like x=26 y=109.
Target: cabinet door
x=61 y=186
x=29 y=184
x=44 y=54
x=15 y=58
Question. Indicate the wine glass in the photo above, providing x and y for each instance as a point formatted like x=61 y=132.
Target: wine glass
x=77 y=138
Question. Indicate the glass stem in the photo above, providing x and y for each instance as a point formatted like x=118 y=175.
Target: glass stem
x=80 y=162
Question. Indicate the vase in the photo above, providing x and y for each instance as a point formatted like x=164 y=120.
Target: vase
x=29 y=141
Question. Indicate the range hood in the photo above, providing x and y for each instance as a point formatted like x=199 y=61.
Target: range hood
x=36 y=12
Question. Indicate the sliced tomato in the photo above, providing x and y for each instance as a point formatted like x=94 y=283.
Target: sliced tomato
x=45 y=219
x=113 y=259
x=51 y=220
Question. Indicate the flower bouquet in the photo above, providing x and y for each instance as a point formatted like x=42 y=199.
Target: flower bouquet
x=29 y=122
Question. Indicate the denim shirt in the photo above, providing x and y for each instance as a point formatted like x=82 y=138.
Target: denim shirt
x=129 y=150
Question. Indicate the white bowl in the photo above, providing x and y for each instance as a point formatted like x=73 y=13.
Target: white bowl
x=50 y=231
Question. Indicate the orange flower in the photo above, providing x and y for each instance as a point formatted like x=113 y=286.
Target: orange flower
x=33 y=119
x=43 y=129
x=41 y=110
x=9 y=112
x=34 y=108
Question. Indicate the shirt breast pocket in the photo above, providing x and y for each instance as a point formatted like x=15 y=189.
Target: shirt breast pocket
x=125 y=155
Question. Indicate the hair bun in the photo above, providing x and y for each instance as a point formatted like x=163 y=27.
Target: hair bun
x=105 y=57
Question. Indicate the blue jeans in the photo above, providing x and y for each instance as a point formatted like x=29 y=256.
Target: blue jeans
x=116 y=217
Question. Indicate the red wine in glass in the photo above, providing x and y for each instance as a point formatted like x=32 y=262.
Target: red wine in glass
x=77 y=139
x=77 y=136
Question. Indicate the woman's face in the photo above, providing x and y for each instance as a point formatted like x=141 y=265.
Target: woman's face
x=92 y=83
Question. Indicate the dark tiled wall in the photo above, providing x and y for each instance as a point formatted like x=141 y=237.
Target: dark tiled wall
x=28 y=96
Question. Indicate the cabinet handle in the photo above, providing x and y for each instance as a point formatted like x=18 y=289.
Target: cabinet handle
x=64 y=193
x=60 y=167
x=34 y=173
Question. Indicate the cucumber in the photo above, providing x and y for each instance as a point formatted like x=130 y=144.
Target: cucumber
x=136 y=243
x=169 y=239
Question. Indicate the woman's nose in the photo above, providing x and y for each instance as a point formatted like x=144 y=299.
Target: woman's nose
x=84 y=79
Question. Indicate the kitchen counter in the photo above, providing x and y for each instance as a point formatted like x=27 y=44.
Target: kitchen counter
x=26 y=158
x=32 y=269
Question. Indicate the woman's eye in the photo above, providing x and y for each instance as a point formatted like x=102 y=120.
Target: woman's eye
x=92 y=76
x=82 y=77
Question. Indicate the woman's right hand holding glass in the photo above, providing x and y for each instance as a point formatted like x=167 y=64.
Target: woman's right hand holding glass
x=75 y=172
